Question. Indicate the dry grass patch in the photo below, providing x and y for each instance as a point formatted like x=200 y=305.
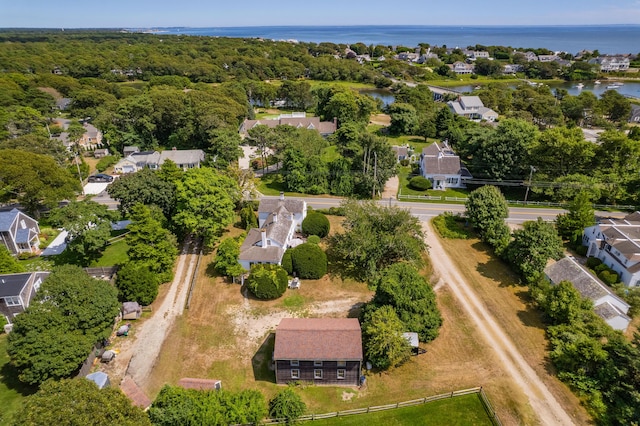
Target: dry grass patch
x=500 y=291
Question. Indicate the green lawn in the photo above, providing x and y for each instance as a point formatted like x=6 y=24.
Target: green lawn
x=114 y=254
x=404 y=173
x=12 y=391
x=271 y=184
x=461 y=410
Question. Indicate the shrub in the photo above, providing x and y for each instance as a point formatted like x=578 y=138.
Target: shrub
x=287 y=263
x=592 y=262
x=313 y=239
x=3 y=322
x=601 y=267
x=248 y=218
x=582 y=250
x=404 y=162
x=420 y=183
x=136 y=283
x=450 y=226
x=608 y=277
x=267 y=281
x=286 y=405
x=309 y=261
x=106 y=162
x=316 y=223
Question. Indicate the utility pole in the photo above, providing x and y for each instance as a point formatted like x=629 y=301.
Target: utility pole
x=375 y=173
x=526 y=194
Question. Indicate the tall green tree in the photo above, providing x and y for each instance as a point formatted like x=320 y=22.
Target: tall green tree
x=226 y=261
x=487 y=209
x=146 y=187
x=79 y=402
x=383 y=342
x=375 y=237
x=402 y=287
x=136 y=283
x=288 y=405
x=579 y=216
x=34 y=180
x=404 y=119
x=532 y=247
x=54 y=335
x=89 y=226
x=150 y=244
x=206 y=201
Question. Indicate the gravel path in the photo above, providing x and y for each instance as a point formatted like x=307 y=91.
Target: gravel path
x=545 y=405
x=149 y=338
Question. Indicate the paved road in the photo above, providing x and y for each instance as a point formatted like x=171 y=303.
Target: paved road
x=424 y=211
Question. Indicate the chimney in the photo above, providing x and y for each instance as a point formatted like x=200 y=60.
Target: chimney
x=263 y=234
x=282 y=196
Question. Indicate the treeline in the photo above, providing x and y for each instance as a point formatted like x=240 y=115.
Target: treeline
x=599 y=364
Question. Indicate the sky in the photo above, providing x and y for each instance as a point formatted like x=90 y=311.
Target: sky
x=229 y=13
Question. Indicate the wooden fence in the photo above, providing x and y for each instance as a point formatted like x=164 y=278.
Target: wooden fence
x=194 y=277
x=483 y=398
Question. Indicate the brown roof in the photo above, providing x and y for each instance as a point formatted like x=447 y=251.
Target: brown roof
x=200 y=384
x=135 y=394
x=318 y=339
x=442 y=166
x=312 y=123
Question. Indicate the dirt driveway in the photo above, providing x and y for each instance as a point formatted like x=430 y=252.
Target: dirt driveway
x=544 y=404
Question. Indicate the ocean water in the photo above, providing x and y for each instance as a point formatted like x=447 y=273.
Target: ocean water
x=610 y=39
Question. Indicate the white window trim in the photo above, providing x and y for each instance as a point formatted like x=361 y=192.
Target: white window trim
x=295 y=363
x=295 y=373
x=317 y=363
x=11 y=301
x=341 y=372
x=342 y=363
x=317 y=373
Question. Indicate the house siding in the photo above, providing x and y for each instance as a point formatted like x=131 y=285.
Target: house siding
x=329 y=372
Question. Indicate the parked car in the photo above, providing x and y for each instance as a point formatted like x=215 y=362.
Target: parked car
x=100 y=177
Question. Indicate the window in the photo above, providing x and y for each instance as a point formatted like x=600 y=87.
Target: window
x=295 y=363
x=36 y=285
x=317 y=363
x=317 y=373
x=342 y=363
x=342 y=373
x=13 y=301
x=295 y=373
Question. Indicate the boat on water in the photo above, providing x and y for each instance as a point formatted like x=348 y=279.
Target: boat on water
x=615 y=85
x=579 y=85
x=596 y=82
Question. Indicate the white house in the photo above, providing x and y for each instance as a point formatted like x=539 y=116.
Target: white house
x=617 y=243
x=611 y=63
x=612 y=309
x=472 y=108
x=183 y=158
x=460 y=67
x=278 y=221
x=443 y=167
x=19 y=232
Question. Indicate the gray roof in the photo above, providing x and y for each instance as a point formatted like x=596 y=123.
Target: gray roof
x=13 y=284
x=269 y=205
x=99 y=378
x=144 y=158
x=439 y=159
x=22 y=236
x=608 y=311
x=278 y=226
x=312 y=123
x=7 y=218
x=589 y=286
x=471 y=101
x=250 y=251
x=182 y=156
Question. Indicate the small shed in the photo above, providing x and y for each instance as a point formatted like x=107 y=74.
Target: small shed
x=99 y=378
x=200 y=384
x=131 y=310
x=101 y=152
x=414 y=342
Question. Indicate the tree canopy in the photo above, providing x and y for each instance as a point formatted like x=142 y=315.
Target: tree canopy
x=384 y=344
x=375 y=237
x=146 y=187
x=70 y=313
x=79 y=402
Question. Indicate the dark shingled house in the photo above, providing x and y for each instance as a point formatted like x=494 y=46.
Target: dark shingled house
x=325 y=351
x=16 y=292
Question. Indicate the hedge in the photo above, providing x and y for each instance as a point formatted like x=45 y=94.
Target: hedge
x=309 y=261
x=420 y=183
x=316 y=223
x=267 y=281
